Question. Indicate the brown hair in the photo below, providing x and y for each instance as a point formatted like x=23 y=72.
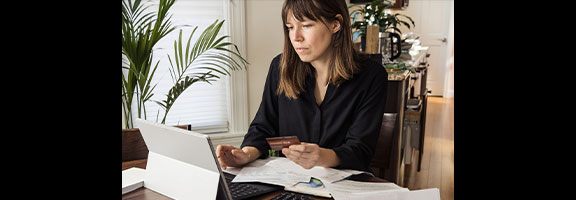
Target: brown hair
x=293 y=71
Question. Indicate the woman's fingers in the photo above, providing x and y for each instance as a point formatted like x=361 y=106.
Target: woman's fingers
x=305 y=154
x=225 y=155
x=219 y=153
x=222 y=163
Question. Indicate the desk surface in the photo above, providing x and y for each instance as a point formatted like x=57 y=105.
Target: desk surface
x=144 y=193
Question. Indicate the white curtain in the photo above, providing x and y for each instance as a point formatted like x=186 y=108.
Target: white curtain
x=202 y=105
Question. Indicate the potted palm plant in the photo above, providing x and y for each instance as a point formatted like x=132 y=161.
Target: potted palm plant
x=141 y=30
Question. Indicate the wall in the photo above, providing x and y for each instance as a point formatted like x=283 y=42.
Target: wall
x=450 y=81
x=264 y=40
x=441 y=81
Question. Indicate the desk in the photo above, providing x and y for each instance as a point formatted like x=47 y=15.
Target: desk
x=144 y=193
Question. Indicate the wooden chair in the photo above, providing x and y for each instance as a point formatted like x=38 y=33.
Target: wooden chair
x=386 y=161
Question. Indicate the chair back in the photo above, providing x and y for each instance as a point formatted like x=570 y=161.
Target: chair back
x=386 y=160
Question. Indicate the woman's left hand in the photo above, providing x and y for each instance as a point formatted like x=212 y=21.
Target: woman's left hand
x=304 y=154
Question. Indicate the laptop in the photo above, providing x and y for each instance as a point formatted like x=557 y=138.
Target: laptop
x=182 y=161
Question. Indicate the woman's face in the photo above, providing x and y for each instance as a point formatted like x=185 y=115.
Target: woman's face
x=310 y=39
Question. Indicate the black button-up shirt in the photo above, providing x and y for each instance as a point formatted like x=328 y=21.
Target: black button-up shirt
x=347 y=121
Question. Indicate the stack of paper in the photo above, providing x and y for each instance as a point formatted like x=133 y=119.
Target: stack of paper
x=348 y=189
x=282 y=171
x=132 y=179
x=354 y=190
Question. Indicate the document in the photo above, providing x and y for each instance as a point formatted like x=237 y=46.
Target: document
x=132 y=179
x=314 y=187
x=425 y=194
x=274 y=170
x=354 y=190
x=233 y=170
x=282 y=171
x=348 y=189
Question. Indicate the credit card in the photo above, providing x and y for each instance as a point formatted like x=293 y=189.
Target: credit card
x=277 y=143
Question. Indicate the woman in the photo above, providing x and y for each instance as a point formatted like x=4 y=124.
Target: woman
x=320 y=90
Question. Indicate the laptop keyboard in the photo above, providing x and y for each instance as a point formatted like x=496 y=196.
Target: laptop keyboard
x=291 y=196
x=241 y=191
x=246 y=190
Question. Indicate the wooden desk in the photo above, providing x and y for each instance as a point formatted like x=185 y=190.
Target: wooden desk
x=145 y=194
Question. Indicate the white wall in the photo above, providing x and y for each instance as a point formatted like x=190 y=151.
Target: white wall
x=264 y=40
x=450 y=78
x=425 y=13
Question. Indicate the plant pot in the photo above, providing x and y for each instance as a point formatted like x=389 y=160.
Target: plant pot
x=394 y=69
x=133 y=145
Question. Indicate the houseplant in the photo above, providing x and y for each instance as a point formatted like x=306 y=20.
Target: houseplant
x=374 y=14
x=141 y=30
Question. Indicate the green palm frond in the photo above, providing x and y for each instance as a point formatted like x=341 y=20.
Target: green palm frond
x=209 y=53
x=141 y=30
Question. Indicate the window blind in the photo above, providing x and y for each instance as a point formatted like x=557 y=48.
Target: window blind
x=202 y=105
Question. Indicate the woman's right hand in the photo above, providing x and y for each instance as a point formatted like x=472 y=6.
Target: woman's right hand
x=235 y=157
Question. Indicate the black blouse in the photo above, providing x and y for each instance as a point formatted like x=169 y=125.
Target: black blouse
x=347 y=121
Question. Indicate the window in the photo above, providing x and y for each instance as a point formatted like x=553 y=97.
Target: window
x=207 y=107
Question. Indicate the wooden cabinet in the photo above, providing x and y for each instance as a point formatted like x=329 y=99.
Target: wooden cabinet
x=403 y=86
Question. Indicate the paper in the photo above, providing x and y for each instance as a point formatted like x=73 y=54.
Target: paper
x=354 y=190
x=277 y=171
x=350 y=186
x=313 y=187
x=331 y=175
x=348 y=189
x=132 y=179
x=425 y=194
x=282 y=171
x=233 y=170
